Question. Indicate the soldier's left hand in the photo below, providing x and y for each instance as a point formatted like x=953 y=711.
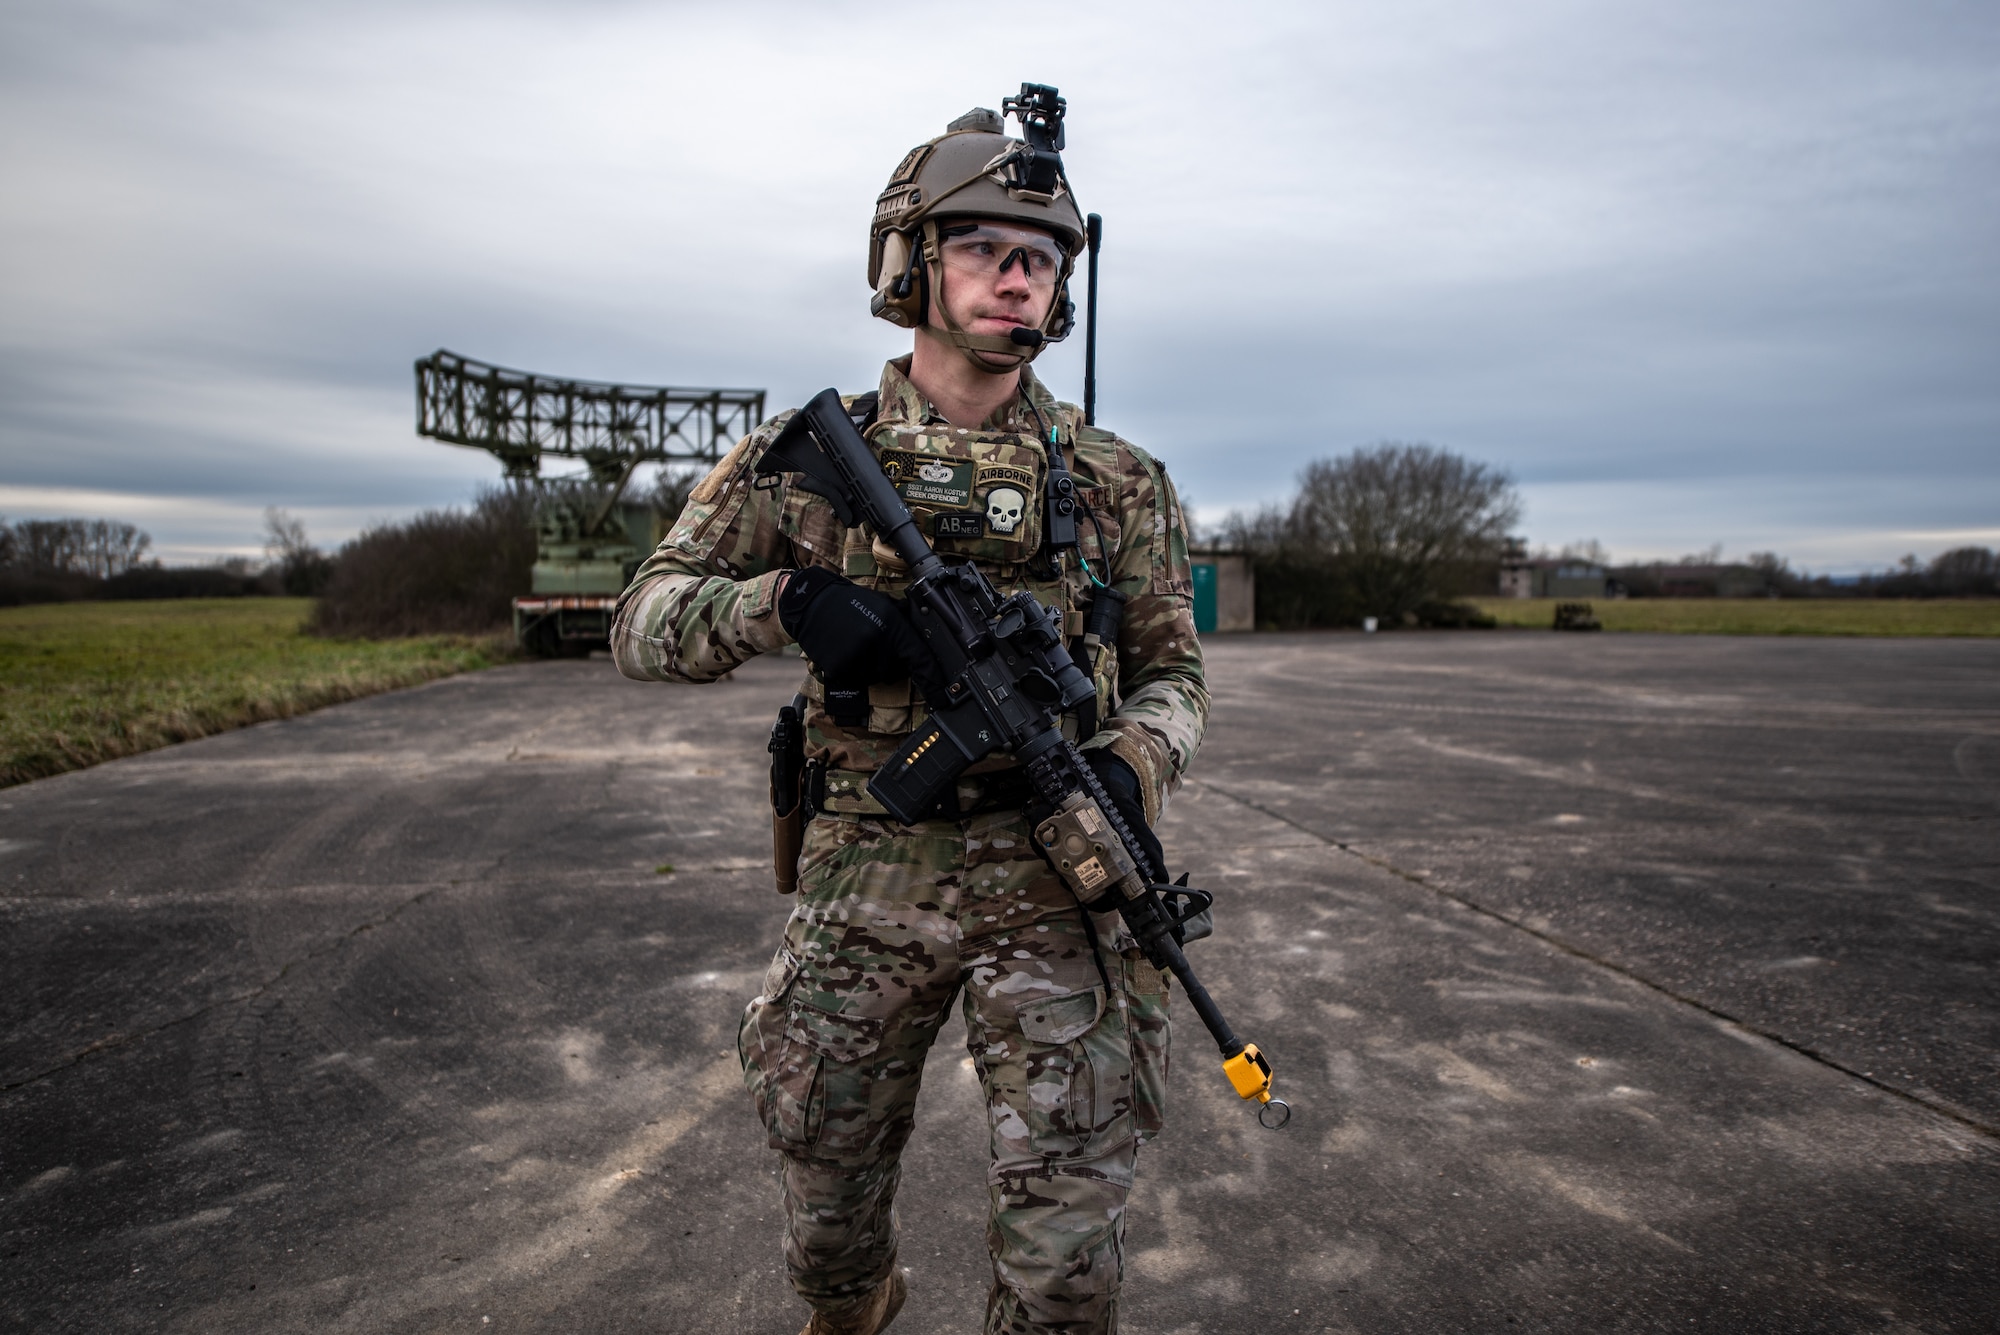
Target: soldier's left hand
x=1122 y=783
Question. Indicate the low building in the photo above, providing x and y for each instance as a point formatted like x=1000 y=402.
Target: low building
x=1225 y=590
x=1552 y=577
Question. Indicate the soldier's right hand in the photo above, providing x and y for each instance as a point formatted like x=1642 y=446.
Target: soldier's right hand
x=854 y=636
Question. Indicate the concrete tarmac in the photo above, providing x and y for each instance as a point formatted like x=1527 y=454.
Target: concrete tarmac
x=1620 y=983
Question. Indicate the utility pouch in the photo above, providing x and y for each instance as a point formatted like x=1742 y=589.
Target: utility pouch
x=788 y=807
x=1100 y=628
x=1107 y=610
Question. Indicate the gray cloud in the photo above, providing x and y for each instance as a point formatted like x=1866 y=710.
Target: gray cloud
x=1696 y=273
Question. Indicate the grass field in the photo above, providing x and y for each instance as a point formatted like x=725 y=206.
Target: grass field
x=1767 y=616
x=86 y=682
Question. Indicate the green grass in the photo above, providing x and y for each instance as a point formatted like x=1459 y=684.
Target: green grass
x=1767 y=616
x=86 y=682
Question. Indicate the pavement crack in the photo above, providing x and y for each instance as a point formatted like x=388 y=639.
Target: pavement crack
x=115 y=1041
x=1631 y=975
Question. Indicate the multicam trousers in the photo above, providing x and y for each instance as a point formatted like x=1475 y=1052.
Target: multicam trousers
x=892 y=923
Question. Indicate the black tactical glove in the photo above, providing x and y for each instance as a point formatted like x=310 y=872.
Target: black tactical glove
x=854 y=636
x=1123 y=785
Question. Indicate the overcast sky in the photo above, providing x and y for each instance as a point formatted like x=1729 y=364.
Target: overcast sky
x=1692 y=272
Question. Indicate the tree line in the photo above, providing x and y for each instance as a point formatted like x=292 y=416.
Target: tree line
x=1962 y=572
x=72 y=560
x=443 y=571
x=92 y=548
x=1405 y=533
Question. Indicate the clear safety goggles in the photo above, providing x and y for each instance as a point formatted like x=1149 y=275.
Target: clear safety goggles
x=984 y=250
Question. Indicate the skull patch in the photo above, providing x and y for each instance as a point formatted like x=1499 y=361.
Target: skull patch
x=1004 y=508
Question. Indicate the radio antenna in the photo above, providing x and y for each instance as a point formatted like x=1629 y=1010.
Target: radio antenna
x=1093 y=230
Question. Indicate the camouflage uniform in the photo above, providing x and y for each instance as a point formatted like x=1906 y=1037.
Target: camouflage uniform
x=893 y=921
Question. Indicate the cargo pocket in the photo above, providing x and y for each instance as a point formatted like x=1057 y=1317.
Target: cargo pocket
x=760 y=1039
x=1149 y=1030
x=1063 y=1069
x=816 y=1090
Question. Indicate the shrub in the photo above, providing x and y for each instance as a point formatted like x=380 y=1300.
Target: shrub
x=443 y=572
x=153 y=581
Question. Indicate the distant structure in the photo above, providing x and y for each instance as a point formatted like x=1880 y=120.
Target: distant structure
x=1523 y=576
x=521 y=417
x=1225 y=590
x=590 y=540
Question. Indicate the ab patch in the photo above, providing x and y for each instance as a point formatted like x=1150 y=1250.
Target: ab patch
x=924 y=479
x=960 y=524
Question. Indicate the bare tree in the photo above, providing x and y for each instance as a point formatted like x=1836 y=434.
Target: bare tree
x=302 y=568
x=284 y=535
x=45 y=545
x=1965 y=571
x=107 y=548
x=1261 y=532
x=1406 y=523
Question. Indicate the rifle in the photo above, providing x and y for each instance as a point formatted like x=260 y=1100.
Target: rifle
x=1005 y=677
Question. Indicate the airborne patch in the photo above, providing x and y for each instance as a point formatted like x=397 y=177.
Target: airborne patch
x=927 y=480
x=1006 y=475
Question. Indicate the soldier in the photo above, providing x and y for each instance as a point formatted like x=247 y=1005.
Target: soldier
x=972 y=247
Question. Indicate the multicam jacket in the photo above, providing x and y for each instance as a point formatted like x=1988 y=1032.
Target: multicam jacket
x=705 y=601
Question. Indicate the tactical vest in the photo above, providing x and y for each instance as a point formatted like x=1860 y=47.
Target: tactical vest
x=977 y=495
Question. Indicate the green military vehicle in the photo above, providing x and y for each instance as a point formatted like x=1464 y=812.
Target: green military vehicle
x=590 y=534
x=588 y=542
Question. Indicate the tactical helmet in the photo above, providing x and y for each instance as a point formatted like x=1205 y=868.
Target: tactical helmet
x=974 y=170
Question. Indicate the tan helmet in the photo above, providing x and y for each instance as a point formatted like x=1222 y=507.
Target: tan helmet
x=974 y=170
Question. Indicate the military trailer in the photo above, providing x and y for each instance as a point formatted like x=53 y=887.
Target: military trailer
x=589 y=537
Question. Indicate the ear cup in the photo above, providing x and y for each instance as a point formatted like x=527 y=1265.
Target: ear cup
x=901 y=292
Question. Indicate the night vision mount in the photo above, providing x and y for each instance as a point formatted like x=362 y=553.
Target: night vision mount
x=1040 y=112
x=1036 y=167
